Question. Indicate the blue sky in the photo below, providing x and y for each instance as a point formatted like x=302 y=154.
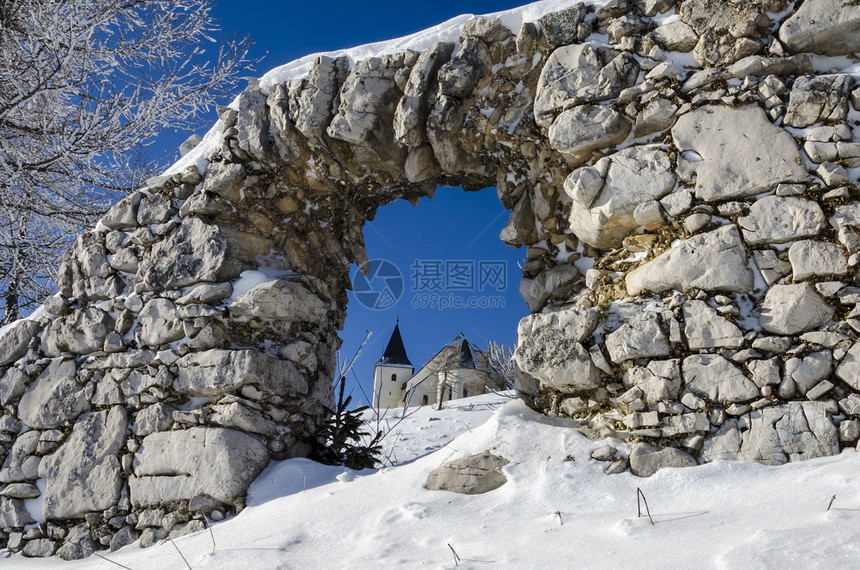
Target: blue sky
x=455 y=233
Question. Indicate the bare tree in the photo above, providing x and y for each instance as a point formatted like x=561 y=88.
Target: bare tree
x=501 y=358
x=84 y=85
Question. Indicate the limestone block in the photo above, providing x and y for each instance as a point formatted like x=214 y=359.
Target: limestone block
x=207 y=294
x=793 y=309
x=714 y=377
x=13 y=514
x=471 y=475
x=410 y=117
x=54 y=398
x=658 y=115
x=319 y=98
x=647 y=459
x=84 y=474
x=235 y=415
x=849 y=372
x=676 y=36
x=85 y=273
x=284 y=299
x=196 y=251
x=660 y=380
x=606 y=195
x=252 y=122
x=685 y=424
x=123 y=214
x=828 y=27
x=551 y=283
x=649 y=215
x=224 y=179
x=808 y=371
x=641 y=337
x=765 y=372
x=157 y=417
x=158 y=323
x=565 y=26
x=816 y=259
x=579 y=74
x=459 y=77
x=20 y=463
x=215 y=372
x=778 y=219
x=548 y=348
x=15 y=340
x=577 y=132
x=712 y=261
x=179 y=465
x=155 y=209
x=366 y=112
x=818 y=98
x=762 y=155
x=705 y=328
x=795 y=431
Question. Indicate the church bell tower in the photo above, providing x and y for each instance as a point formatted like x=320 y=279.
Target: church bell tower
x=391 y=372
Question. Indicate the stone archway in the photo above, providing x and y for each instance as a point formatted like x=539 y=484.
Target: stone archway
x=161 y=377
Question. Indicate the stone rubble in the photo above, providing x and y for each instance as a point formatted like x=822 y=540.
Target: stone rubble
x=693 y=241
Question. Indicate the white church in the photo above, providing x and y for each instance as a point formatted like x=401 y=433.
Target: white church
x=458 y=370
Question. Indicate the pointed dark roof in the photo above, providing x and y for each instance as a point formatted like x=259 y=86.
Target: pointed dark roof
x=395 y=352
x=467 y=360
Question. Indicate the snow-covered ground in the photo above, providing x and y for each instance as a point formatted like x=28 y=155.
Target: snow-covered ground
x=723 y=515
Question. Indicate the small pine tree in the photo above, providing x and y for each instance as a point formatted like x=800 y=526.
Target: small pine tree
x=338 y=441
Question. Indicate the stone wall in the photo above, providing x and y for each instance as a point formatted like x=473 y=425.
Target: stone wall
x=692 y=242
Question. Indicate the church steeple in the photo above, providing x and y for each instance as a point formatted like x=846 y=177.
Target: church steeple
x=395 y=352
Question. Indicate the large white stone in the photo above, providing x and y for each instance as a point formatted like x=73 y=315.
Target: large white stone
x=83 y=475
x=577 y=74
x=642 y=337
x=816 y=258
x=54 y=398
x=849 y=368
x=606 y=195
x=548 y=348
x=713 y=261
x=778 y=219
x=281 y=299
x=793 y=309
x=585 y=128
x=705 y=328
x=740 y=153
x=215 y=372
x=158 y=323
x=714 y=377
x=177 y=465
x=828 y=27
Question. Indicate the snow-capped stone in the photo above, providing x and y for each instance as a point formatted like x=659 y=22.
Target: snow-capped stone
x=705 y=328
x=410 y=117
x=207 y=294
x=815 y=259
x=319 y=97
x=647 y=459
x=565 y=27
x=578 y=74
x=287 y=299
x=642 y=337
x=177 y=465
x=712 y=261
x=762 y=156
x=16 y=339
x=83 y=475
x=473 y=475
x=828 y=27
x=793 y=309
x=606 y=195
x=585 y=128
x=714 y=377
x=775 y=219
x=549 y=348
x=123 y=214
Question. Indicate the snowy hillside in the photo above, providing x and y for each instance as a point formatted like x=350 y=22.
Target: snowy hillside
x=721 y=515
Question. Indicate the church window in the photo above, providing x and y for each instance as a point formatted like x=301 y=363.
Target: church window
x=424 y=400
x=465 y=392
x=394 y=377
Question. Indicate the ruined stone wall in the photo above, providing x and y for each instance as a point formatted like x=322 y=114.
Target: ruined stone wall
x=685 y=187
